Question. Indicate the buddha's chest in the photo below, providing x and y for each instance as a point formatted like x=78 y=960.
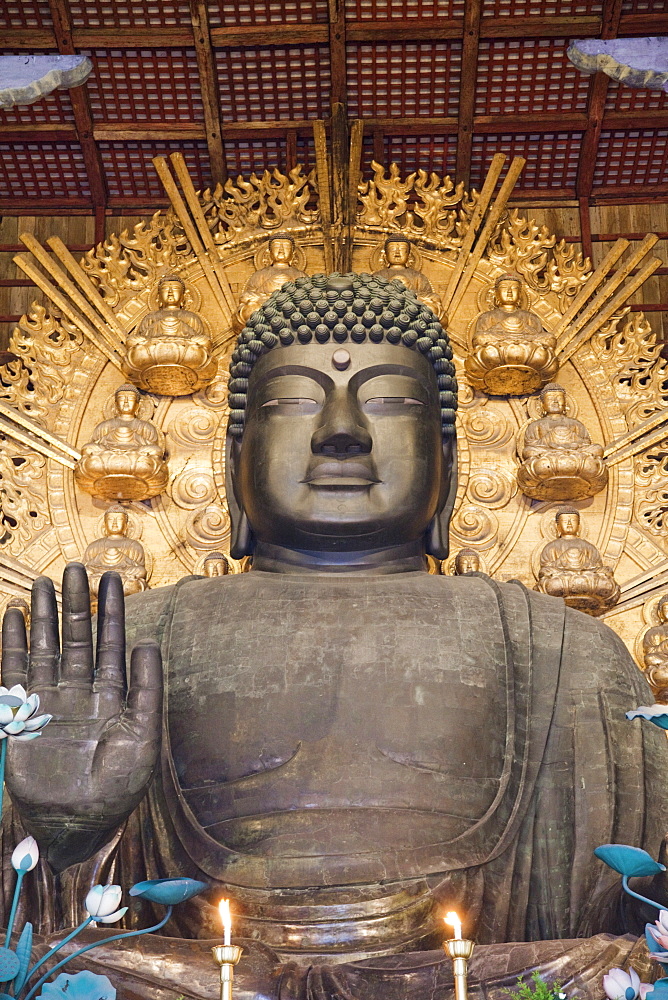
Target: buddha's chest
x=327 y=688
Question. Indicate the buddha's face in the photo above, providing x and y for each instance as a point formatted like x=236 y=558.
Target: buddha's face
x=170 y=293
x=341 y=460
x=568 y=524
x=281 y=251
x=508 y=292
x=466 y=562
x=397 y=253
x=554 y=402
x=115 y=522
x=126 y=402
x=215 y=566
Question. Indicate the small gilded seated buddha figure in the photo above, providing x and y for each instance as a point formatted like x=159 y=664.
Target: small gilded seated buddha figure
x=512 y=353
x=125 y=458
x=216 y=564
x=467 y=561
x=170 y=352
x=115 y=551
x=397 y=252
x=572 y=568
x=559 y=461
x=268 y=279
x=655 y=653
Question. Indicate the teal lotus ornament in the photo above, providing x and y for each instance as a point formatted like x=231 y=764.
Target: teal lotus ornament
x=18 y=714
x=628 y=861
x=79 y=986
x=656 y=714
x=168 y=890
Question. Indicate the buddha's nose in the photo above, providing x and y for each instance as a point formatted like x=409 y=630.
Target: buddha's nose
x=341 y=430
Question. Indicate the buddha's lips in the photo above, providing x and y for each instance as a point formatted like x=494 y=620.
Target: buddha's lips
x=346 y=472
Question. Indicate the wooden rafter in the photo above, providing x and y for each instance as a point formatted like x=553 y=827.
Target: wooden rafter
x=83 y=119
x=467 y=90
x=208 y=80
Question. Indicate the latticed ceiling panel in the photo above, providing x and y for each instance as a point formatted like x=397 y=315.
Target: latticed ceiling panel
x=257 y=156
x=404 y=80
x=383 y=10
x=539 y=8
x=130 y=173
x=228 y=12
x=145 y=85
x=55 y=109
x=289 y=83
x=620 y=98
x=25 y=14
x=427 y=152
x=552 y=158
x=643 y=7
x=625 y=158
x=42 y=170
x=530 y=75
x=129 y=13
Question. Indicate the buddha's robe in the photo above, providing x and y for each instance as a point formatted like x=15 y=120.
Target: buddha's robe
x=348 y=756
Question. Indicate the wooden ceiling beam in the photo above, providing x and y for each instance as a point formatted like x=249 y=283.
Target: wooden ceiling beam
x=467 y=89
x=285 y=33
x=337 y=52
x=83 y=118
x=208 y=79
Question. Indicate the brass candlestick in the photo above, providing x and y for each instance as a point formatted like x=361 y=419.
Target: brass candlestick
x=460 y=951
x=226 y=956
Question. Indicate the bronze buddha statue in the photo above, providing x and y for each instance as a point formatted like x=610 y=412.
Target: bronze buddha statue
x=352 y=745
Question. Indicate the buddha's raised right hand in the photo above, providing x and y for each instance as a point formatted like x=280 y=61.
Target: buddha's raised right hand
x=91 y=765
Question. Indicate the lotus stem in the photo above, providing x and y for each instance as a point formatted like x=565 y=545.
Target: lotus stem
x=636 y=895
x=15 y=901
x=56 y=948
x=88 y=947
x=3 y=758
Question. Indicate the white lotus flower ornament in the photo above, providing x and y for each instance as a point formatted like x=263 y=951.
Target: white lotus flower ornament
x=18 y=714
x=25 y=855
x=101 y=904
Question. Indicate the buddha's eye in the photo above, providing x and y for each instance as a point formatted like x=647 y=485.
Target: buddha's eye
x=390 y=404
x=293 y=405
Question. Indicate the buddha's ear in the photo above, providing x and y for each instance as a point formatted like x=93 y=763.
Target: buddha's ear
x=437 y=538
x=241 y=541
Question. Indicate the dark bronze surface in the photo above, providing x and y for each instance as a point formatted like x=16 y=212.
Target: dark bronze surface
x=350 y=745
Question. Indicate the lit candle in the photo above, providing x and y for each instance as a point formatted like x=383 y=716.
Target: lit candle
x=454 y=921
x=226 y=917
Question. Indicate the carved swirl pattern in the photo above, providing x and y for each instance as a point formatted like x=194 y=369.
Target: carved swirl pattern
x=491 y=487
x=474 y=526
x=194 y=426
x=486 y=427
x=208 y=527
x=193 y=488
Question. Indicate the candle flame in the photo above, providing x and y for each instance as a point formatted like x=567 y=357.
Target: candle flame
x=226 y=917
x=454 y=921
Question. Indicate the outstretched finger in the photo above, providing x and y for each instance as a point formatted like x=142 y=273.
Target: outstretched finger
x=76 y=665
x=44 y=641
x=144 y=710
x=14 y=648
x=110 y=669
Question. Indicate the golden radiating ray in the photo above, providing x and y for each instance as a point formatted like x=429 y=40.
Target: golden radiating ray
x=15 y=572
x=607 y=312
x=195 y=207
x=596 y=304
x=590 y=286
x=61 y=302
x=493 y=174
x=354 y=176
x=658 y=419
x=324 y=194
x=17 y=433
x=21 y=420
x=491 y=222
x=179 y=206
x=635 y=444
x=639 y=590
x=66 y=286
x=89 y=289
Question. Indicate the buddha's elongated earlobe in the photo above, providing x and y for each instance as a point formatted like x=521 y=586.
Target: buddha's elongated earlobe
x=437 y=536
x=241 y=541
